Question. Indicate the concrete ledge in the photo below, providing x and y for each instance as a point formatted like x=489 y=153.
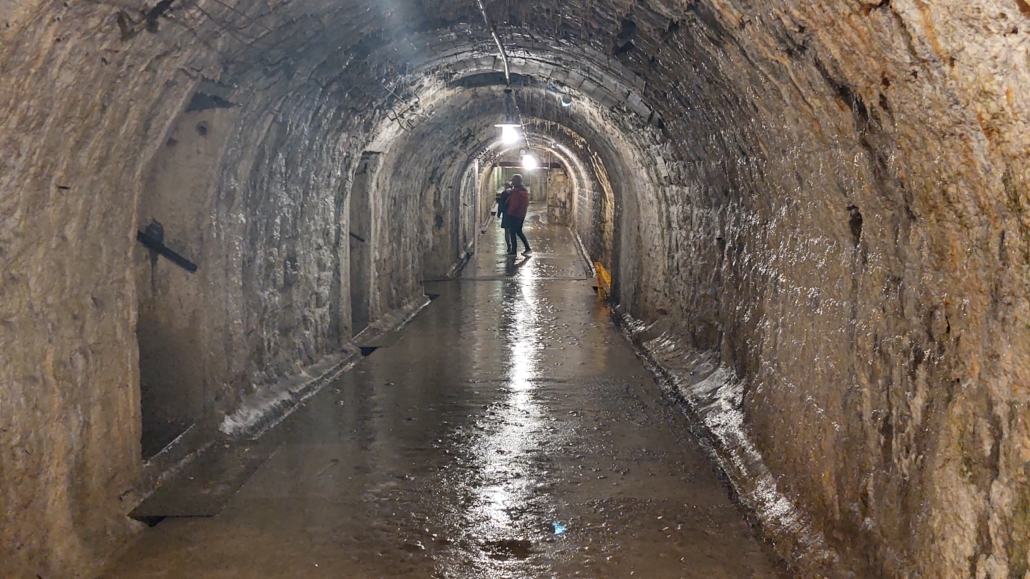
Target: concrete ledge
x=272 y=405
x=165 y=464
x=712 y=396
x=260 y=412
x=588 y=265
x=459 y=265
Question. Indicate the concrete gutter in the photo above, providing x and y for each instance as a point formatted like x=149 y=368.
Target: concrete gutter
x=711 y=396
x=264 y=410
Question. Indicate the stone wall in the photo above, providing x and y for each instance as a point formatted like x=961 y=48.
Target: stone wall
x=559 y=196
x=173 y=320
x=100 y=129
x=83 y=113
x=840 y=222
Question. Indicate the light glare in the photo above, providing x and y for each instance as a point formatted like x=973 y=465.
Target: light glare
x=529 y=163
x=509 y=135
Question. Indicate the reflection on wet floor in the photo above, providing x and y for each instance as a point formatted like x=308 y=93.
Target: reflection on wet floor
x=509 y=432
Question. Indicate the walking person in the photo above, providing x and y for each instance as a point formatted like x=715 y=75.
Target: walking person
x=502 y=214
x=518 y=204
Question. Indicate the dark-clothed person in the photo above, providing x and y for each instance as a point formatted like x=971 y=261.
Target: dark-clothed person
x=502 y=213
x=518 y=205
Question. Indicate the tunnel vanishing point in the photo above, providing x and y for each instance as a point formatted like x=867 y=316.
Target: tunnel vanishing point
x=816 y=216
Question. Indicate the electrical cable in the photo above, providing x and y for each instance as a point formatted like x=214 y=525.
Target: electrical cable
x=507 y=71
x=497 y=41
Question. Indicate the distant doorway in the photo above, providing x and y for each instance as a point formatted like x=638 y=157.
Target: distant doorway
x=171 y=375
x=173 y=317
x=360 y=222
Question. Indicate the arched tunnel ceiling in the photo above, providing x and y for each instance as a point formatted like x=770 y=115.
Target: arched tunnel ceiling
x=829 y=199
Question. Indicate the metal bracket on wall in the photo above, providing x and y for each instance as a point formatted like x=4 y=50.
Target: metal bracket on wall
x=153 y=238
x=358 y=237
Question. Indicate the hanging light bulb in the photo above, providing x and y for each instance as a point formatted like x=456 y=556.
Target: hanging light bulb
x=530 y=163
x=509 y=134
x=508 y=126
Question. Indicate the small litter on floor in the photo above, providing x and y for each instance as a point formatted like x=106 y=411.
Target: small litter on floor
x=509 y=549
x=559 y=529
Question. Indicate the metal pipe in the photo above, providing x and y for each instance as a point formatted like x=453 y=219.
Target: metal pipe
x=497 y=41
x=475 y=205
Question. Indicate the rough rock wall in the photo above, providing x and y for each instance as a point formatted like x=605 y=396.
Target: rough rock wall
x=277 y=271
x=277 y=249
x=839 y=201
x=559 y=196
x=90 y=94
x=421 y=189
x=176 y=199
x=470 y=215
x=83 y=112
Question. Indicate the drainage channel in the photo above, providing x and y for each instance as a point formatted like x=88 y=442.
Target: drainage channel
x=204 y=486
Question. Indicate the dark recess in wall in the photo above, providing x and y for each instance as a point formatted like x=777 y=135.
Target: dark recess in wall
x=203 y=102
x=855 y=223
x=493 y=79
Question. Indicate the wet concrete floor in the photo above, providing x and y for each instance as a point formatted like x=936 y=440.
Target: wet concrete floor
x=510 y=432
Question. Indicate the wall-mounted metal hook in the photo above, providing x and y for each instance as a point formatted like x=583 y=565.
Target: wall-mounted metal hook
x=153 y=238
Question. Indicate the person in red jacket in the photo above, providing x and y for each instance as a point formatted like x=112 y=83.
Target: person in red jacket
x=518 y=204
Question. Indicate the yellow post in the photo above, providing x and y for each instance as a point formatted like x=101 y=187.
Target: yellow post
x=604 y=281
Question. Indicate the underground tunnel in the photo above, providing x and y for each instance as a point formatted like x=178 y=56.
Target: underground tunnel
x=815 y=216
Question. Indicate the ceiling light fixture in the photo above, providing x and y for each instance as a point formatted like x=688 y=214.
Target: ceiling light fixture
x=509 y=134
x=509 y=124
x=530 y=163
